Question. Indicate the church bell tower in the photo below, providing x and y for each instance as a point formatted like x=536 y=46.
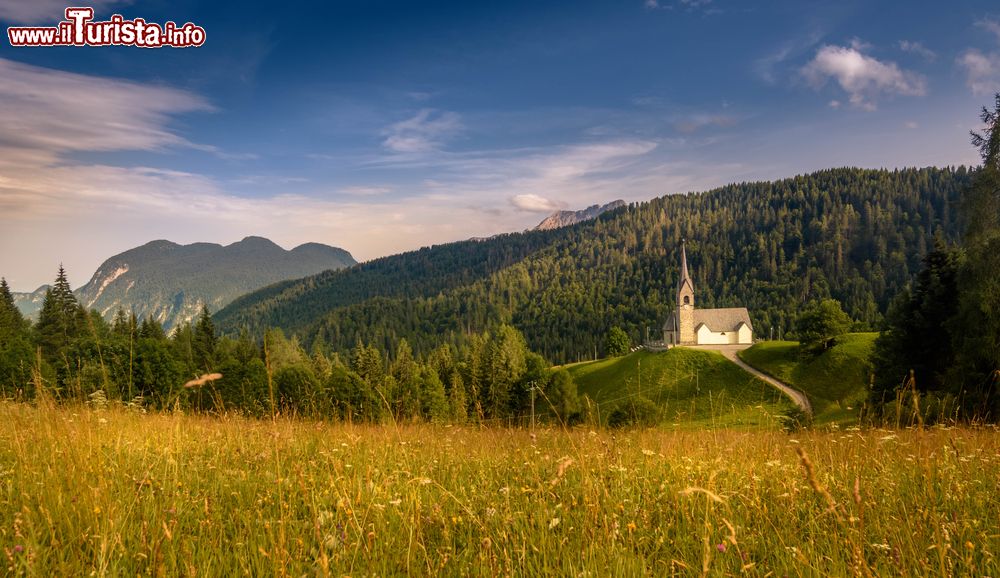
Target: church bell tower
x=685 y=302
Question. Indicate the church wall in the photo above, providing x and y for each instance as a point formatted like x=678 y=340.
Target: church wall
x=685 y=319
x=745 y=335
x=708 y=337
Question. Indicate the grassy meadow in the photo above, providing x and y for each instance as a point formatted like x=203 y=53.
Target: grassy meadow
x=694 y=389
x=836 y=381
x=114 y=492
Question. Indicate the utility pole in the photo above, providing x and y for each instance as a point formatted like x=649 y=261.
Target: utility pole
x=532 y=405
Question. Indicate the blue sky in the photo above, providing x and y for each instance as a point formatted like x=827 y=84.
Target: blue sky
x=383 y=126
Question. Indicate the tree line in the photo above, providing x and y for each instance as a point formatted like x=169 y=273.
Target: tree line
x=71 y=354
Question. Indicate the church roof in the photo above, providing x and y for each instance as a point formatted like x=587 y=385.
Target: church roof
x=727 y=319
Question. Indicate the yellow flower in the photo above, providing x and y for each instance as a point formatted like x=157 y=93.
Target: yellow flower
x=97 y=510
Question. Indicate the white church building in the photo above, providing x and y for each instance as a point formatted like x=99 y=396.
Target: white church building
x=690 y=326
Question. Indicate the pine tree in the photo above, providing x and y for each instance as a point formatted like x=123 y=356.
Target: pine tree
x=6 y=297
x=59 y=317
x=205 y=341
x=433 y=400
x=11 y=320
x=917 y=335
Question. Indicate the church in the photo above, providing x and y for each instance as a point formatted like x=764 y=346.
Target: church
x=690 y=326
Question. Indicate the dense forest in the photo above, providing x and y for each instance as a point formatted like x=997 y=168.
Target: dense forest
x=855 y=235
x=71 y=354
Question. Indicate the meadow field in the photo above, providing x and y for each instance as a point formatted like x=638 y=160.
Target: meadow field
x=116 y=492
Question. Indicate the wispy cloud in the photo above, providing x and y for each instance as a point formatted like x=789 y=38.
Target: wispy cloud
x=535 y=204
x=60 y=111
x=44 y=11
x=706 y=7
x=425 y=131
x=864 y=78
x=768 y=67
x=982 y=69
x=697 y=122
x=990 y=25
x=919 y=49
x=364 y=191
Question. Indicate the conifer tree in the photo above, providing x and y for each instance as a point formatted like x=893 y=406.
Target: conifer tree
x=205 y=341
x=59 y=317
x=11 y=320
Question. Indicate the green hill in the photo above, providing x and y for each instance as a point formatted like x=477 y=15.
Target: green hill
x=692 y=388
x=836 y=381
x=851 y=234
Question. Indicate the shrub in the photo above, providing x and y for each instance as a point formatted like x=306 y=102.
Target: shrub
x=638 y=411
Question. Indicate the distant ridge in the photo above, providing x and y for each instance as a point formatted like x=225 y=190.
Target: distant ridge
x=171 y=282
x=29 y=304
x=566 y=218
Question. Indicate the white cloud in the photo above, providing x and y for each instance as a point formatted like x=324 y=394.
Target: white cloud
x=535 y=204
x=862 y=77
x=44 y=11
x=982 y=71
x=919 y=49
x=425 y=131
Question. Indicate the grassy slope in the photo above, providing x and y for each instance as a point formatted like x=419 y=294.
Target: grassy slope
x=694 y=388
x=115 y=493
x=836 y=381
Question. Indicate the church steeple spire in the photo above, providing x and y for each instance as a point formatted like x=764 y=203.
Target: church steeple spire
x=684 y=267
x=685 y=288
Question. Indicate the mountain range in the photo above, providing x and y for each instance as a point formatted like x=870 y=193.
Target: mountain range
x=855 y=235
x=171 y=282
x=561 y=219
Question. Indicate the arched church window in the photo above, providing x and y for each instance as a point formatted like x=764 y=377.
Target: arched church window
x=687 y=299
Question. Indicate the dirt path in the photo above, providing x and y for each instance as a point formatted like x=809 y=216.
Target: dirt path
x=730 y=353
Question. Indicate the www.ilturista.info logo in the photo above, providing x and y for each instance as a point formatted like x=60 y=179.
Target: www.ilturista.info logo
x=79 y=29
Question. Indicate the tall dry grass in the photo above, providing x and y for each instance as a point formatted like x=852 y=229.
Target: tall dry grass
x=118 y=493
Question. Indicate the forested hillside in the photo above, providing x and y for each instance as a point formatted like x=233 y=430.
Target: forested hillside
x=852 y=234
x=172 y=282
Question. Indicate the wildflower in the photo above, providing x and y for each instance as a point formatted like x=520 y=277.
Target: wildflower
x=18 y=549
x=97 y=510
x=721 y=547
x=970 y=545
x=553 y=523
